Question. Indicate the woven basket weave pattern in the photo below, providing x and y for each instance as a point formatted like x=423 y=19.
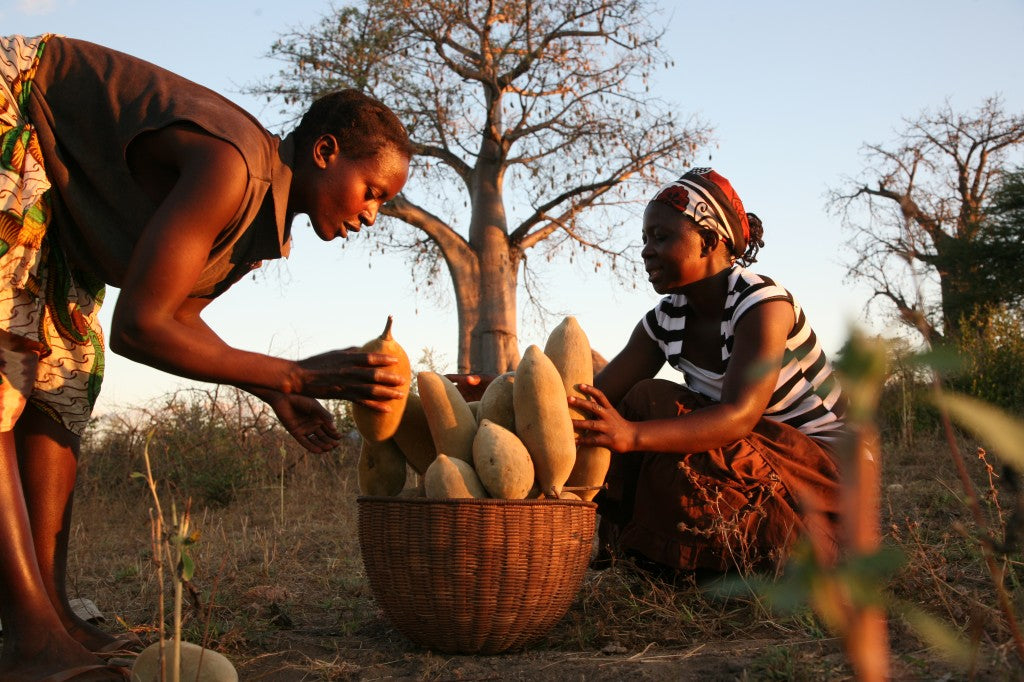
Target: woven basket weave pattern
x=474 y=576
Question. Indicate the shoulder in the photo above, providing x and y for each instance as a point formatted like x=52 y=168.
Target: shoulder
x=133 y=95
x=668 y=315
x=748 y=289
x=747 y=282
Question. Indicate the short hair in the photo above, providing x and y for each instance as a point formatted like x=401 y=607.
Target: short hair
x=362 y=124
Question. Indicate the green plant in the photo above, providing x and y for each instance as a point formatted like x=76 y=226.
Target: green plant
x=776 y=663
x=172 y=544
x=991 y=347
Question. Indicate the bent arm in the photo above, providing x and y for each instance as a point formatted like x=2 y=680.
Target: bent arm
x=155 y=322
x=640 y=359
x=748 y=386
x=181 y=343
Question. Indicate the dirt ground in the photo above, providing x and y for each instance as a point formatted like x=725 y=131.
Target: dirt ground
x=281 y=591
x=715 y=662
x=378 y=652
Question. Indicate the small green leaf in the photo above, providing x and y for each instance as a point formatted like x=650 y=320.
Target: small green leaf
x=862 y=364
x=1001 y=432
x=941 y=359
x=863 y=358
x=790 y=594
x=138 y=474
x=947 y=641
x=880 y=565
x=187 y=568
x=731 y=586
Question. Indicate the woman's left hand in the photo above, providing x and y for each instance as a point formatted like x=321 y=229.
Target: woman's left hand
x=306 y=420
x=606 y=427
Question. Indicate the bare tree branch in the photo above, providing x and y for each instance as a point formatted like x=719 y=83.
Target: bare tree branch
x=919 y=211
x=548 y=98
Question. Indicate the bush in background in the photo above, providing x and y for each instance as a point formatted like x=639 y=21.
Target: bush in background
x=985 y=362
x=991 y=349
x=207 y=444
x=905 y=412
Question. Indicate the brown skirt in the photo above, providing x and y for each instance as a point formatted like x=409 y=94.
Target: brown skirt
x=741 y=506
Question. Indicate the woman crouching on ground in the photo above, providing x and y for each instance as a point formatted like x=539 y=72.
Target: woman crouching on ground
x=729 y=470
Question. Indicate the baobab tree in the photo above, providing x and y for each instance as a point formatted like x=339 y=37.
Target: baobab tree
x=546 y=101
x=926 y=234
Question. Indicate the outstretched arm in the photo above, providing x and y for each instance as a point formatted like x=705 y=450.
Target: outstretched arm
x=749 y=382
x=308 y=422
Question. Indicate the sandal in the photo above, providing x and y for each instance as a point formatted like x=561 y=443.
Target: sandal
x=126 y=644
x=82 y=672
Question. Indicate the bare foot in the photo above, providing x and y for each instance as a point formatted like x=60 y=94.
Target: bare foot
x=90 y=636
x=48 y=659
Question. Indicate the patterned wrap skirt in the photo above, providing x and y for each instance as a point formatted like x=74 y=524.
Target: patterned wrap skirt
x=51 y=345
x=738 y=507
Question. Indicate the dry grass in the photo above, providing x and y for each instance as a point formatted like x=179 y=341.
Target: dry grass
x=927 y=518
x=280 y=587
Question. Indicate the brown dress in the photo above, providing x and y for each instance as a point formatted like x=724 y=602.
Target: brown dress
x=736 y=507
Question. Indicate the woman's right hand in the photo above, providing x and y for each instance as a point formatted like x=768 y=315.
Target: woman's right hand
x=606 y=428
x=354 y=375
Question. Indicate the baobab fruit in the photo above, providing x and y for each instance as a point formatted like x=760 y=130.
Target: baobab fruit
x=381 y=469
x=196 y=663
x=448 y=477
x=542 y=420
x=374 y=425
x=413 y=436
x=569 y=350
x=502 y=462
x=451 y=421
x=496 y=402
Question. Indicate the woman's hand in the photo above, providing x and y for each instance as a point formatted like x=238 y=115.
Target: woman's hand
x=471 y=386
x=353 y=375
x=606 y=427
x=305 y=419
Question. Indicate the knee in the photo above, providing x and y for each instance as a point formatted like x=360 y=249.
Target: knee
x=652 y=399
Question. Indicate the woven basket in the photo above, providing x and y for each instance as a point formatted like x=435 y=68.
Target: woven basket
x=474 y=576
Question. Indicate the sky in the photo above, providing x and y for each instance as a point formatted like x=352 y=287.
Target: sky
x=793 y=89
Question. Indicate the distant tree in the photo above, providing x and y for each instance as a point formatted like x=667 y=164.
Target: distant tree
x=926 y=235
x=1008 y=200
x=1001 y=247
x=549 y=99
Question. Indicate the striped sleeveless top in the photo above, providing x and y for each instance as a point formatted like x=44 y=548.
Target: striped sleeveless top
x=807 y=396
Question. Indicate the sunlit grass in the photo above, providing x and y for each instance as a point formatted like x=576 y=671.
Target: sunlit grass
x=290 y=597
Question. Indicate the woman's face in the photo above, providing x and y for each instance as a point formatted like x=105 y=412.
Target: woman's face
x=344 y=194
x=672 y=250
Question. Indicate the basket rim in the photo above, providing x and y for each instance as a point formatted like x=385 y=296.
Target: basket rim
x=472 y=501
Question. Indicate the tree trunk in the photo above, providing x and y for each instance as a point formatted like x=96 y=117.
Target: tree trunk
x=956 y=264
x=494 y=341
x=488 y=342
x=485 y=295
x=953 y=298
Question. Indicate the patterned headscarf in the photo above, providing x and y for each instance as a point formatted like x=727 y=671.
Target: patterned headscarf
x=710 y=201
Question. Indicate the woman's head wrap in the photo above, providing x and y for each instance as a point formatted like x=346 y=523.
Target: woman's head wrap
x=710 y=201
